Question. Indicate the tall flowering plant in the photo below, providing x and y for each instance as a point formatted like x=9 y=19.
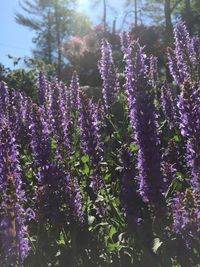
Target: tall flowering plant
x=109 y=76
x=14 y=237
x=140 y=99
x=90 y=139
x=184 y=65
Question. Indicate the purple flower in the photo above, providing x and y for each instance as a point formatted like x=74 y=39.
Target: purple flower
x=13 y=229
x=16 y=115
x=90 y=138
x=182 y=50
x=168 y=105
x=65 y=134
x=184 y=66
x=153 y=71
x=195 y=42
x=74 y=198
x=173 y=67
x=50 y=175
x=142 y=117
x=185 y=212
x=190 y=126
x=169 y=172
x=170 y=162
x=54 y=109
x=51 y=185
x=4 y=98
x=74 y=92
x=183 y=60
x=60 y=117
x=39 y=132
x=108 y=75
x=131 y=200
x=125 y=41
x=42 y=88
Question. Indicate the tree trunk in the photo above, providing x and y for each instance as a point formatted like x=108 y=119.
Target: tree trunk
x=168 y=21
x=58 y=40
x=168 y=32
x=114 y=27
x=49 y=40
x=104 y=15
x=188 y=15
x=136 y=13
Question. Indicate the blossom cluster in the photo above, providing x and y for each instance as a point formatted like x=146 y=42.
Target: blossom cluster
x=66 y=157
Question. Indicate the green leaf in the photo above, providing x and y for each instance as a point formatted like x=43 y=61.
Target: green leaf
x=176 y=138
x=61 y=240
x=113 y=247
x=53 y=144
x=133 y=147
x=112 y=231
x=107 y=139
x=85 y=159
x=107 y=177
x=86 y=170
x=176 y=185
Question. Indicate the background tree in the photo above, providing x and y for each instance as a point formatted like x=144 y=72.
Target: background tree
x=189 y=12
x=53 y=21
x=20 y=79
x=133 y=12
x=106 y=7
x=83 y=54
x=152 y=22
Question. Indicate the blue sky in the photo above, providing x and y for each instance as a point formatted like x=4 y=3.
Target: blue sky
x=16 y=40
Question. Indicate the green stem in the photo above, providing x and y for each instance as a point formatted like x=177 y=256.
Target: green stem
x=32 y=245
x=113 y=207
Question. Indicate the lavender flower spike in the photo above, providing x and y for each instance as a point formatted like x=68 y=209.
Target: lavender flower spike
x=153 y=71
x=108 y=75
x=39 y=132
x=90 y=140
x=185 y=212
x=13 y=229
x=74 y=201
x=182 y=59
x=130 y=198
x=4 y=98
x=168 y=105
x=190 y=127
x=74 y=92
x=42 y=87
x=142 y=117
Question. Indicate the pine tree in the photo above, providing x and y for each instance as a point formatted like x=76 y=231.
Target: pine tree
x=53 y=22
